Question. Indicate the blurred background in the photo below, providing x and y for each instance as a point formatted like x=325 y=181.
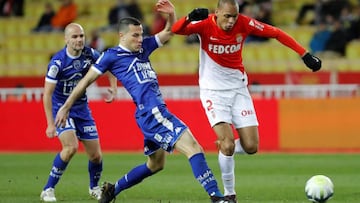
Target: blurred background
x=294 y=104
x=25 y=49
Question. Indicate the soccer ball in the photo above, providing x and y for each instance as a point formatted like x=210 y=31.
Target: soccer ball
x=319 y=189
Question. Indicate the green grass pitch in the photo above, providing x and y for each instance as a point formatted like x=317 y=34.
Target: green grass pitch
x=261 y=178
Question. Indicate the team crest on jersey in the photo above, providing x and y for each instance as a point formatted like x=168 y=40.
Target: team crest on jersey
x=77 y=64
x=239 y=38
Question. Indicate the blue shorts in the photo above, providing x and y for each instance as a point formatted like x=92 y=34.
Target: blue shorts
x=84 y=129
x=161 y=129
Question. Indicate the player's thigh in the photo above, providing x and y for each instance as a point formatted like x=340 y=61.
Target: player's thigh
x=68 y=139
x=67 y=134
x=187 y=144
x=223 y=131
x=86 y=131
x=249 y=138
x=70 y=145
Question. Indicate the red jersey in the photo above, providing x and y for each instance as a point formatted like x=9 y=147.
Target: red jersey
x=221 y=51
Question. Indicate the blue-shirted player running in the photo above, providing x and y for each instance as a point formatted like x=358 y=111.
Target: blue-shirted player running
x=65 y=70
x=163 y=132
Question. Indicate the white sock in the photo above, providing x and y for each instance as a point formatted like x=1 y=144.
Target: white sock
x=227 y=166
x=238 y=147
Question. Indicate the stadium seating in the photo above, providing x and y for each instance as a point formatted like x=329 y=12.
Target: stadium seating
x=23 y=53
x=353 y=50
x=3 y=62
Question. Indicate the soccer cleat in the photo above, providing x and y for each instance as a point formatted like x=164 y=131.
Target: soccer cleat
x=107 y=193
x=48 y=195
x=231 y=198
x=95 y=192
x=215 y=199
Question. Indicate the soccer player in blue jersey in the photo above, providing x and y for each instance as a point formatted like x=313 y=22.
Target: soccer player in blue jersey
x=163 y=132
x=65 y=70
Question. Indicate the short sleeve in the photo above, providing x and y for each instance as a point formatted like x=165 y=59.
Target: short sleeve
x=53 y=71
x=105 y=61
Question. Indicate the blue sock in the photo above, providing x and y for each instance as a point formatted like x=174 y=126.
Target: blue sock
x=95 y=173
x=56 y=172
x=204 y=175
x=135 y=176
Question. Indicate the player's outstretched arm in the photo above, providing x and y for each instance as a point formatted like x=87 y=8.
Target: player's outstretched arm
x=63 y=113
x=311 y=61
x=165 y=6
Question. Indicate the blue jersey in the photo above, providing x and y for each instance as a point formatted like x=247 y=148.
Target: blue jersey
x=134 y=71
x=66 y=71
x=160 y=127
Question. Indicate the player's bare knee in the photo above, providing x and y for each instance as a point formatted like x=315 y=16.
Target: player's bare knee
x=71 y=149
x=197 y=149
x=68 y=152
x=251 y=149
x=154 y=168
x=96 y=158
x=156 y=162
x=227 y=148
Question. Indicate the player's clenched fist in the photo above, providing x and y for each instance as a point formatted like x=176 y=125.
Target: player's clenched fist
x=311 y=61
x=198 y=14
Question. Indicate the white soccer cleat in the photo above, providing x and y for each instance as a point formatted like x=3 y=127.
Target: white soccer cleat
x=95 y=192
x=48 y=195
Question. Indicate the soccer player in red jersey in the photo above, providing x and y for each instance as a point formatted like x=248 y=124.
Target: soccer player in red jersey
x=163 y=132
x=223 y=80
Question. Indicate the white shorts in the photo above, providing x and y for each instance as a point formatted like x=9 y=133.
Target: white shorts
x=231 y=106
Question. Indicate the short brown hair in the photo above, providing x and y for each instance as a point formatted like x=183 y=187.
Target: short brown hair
x=125 y=22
